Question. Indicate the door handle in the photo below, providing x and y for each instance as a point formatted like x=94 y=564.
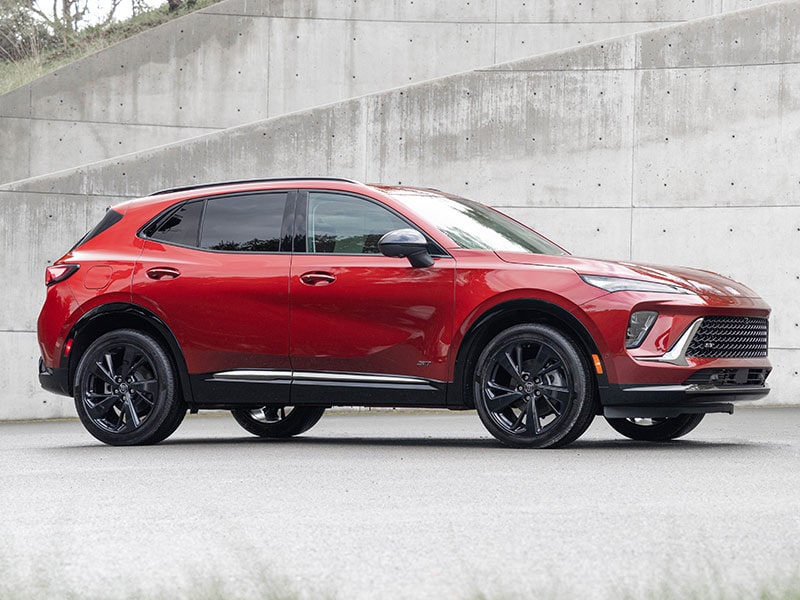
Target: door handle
x=317 y=278
x=159 y=273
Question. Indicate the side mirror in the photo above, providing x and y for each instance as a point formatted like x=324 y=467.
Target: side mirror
x=406 y=243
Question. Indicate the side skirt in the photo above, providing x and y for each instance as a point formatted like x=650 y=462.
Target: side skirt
x=240 y=388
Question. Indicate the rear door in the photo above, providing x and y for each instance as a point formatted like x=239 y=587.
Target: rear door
x=216 y=272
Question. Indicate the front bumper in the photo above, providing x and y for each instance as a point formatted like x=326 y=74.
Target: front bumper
x=703 y=393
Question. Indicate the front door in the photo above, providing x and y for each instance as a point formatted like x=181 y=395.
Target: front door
x=364 y=327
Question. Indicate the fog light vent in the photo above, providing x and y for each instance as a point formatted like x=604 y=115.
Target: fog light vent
x=639 y=326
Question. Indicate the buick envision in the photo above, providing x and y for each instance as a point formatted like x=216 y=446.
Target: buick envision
x=279 y=298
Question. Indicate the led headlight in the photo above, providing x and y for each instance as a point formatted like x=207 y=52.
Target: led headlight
x=639 y=326
x=619 y=284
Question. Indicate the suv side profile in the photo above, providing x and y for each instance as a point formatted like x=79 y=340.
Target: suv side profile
x=278 y=298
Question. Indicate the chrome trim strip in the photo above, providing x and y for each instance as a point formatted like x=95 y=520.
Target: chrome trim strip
x=676 y=356
x=252 y=375
x=356 y=378
x=651 y=389
x=700 y=390
x=266 y=375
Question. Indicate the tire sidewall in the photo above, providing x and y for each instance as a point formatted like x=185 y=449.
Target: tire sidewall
x=670 y=429
x=151 y=431
x=300 y=420
x=581 y=400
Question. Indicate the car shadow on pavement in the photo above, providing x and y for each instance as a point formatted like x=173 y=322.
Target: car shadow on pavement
x=465 y=442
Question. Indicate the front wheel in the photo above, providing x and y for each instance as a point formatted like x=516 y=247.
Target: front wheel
x=126 y=392
x=533 y=388
x=274 y=421
x=656 y=430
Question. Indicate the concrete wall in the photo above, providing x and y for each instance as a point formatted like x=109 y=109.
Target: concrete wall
x=244 y=60
x=675 y=146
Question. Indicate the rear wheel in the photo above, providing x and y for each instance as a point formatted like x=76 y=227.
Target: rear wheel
x=533 y=388
x=275 y=421
x=125 y=390
x=658 y=429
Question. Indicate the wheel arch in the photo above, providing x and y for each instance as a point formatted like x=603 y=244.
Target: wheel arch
x=121 y=315
x=508 y=314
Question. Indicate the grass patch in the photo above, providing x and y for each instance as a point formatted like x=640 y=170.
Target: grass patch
x=88 y=41
x=664 y=586
x=780 y=589
x=248 y=576
x=254 y=585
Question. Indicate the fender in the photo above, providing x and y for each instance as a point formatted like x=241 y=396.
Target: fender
x=482 y=327
x=119 y=315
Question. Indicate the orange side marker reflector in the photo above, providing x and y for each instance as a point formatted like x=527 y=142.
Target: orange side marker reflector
x=598 y=366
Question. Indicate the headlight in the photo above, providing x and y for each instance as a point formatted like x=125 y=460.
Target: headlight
x=619 y=284
x=639 y=326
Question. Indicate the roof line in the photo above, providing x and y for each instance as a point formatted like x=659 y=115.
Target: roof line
x=241 y=181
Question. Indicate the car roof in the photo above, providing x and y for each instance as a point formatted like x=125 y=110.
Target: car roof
x=164 y=198
x=249 y=181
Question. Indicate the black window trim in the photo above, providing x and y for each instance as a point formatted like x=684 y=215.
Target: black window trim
x=287 y=222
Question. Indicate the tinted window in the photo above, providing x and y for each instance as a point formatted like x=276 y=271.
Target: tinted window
x=247 y=223
x=346 y=225
x=181 y=227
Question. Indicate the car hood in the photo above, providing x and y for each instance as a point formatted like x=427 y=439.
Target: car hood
x=703 y=283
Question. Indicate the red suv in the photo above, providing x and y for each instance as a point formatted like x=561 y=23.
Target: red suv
x=279 y=298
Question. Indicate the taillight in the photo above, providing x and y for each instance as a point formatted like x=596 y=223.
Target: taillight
x=57 y=273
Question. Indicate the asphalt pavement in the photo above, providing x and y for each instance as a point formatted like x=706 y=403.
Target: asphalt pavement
x=401 y=504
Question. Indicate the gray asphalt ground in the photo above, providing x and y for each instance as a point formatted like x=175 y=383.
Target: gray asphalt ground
x=393 y=504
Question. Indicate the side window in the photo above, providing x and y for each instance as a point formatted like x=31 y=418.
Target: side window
x=182 y=226
x=342 y=224
x=246 y=223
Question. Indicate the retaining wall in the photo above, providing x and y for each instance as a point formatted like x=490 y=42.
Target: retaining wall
x=244 y=60
x=673 y=146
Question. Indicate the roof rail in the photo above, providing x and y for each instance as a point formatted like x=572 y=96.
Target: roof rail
x=196 y=186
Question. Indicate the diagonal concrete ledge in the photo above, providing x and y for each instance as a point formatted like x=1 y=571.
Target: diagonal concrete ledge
x=244 y=60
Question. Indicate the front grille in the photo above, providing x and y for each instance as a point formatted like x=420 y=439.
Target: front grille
x=730 y=337
x=729 y=377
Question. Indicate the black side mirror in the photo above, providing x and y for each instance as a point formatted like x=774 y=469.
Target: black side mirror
x=406 y=243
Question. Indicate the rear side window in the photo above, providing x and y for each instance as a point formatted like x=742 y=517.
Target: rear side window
x=111 y=217
x=250 y=223
x=243 y=223
x=182 y=226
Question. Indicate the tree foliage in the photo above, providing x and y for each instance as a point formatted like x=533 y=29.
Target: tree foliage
x=176 y=4
x=31 y=45
x=29 y=27
x=66 y=17
x=22 y=35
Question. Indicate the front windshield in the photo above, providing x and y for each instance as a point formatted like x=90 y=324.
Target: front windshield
x=474 y=226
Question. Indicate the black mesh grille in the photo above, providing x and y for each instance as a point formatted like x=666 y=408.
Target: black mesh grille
x=730 y=337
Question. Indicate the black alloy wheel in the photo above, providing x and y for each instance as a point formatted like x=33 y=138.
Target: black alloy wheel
x=125 y=390
x=276 y=421
x=661 y=429
x=533 y=388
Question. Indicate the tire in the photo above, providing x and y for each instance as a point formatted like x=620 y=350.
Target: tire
x=125 y=390
x=656 y=430
x=533 y=388
x=278 y=421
